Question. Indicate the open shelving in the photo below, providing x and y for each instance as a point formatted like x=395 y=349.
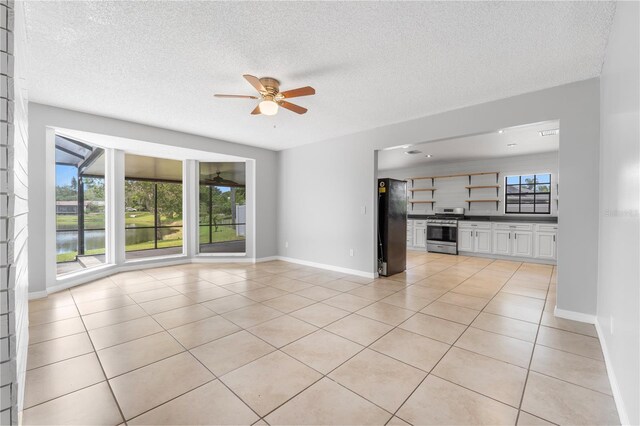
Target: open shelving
x=469 y=188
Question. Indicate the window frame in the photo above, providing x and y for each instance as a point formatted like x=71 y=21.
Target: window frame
x=534 y=193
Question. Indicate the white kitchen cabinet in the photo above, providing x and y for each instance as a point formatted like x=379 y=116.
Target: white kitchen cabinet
x=545 y=242
x=420 y=236
x=465 y=239
x=502 y=242
x=474 y=237
x=483 y=241
x=513 y=239
x=522 y=244
x=409 y=233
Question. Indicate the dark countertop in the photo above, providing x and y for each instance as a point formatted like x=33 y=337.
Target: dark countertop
x=529 y=219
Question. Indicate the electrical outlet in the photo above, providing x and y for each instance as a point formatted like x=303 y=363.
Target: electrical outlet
x=351 y=252
x=286 y=244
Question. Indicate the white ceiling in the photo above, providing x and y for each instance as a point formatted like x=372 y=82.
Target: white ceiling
x=490 y=145
x=372 y=63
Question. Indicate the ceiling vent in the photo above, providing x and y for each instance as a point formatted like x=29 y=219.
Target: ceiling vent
x=413 y=152
x=552 y=132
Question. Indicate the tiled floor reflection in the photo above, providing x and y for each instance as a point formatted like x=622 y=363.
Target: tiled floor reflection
x=453 y=340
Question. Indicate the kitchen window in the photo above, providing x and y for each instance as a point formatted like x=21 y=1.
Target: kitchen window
x=528 y=194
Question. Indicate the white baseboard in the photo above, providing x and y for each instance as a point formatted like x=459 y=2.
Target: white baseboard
x=329 y=267
x=575 y=316
x=267 y=259
x=615 y=389
x=37 y=295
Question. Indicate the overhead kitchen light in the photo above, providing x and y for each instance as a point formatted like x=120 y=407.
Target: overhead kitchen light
x=511 y=145
x=428 y=155
x=413 y=152
x=501 y=131
x=550 y=132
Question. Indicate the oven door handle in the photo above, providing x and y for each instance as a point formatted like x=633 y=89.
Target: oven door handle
x=444 y=225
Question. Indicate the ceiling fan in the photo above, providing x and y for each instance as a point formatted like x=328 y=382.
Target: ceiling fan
x=271 y=98
x=220 y=181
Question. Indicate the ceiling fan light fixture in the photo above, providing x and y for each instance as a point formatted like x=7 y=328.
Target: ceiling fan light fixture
x=268 y=107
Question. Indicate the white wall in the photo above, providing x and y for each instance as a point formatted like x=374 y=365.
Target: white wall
x=322 y=186
x=619 y=243
x=42 y=116
x=451 y=192
x=14 y=280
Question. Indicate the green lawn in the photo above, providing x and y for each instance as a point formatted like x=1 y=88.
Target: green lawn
x=96 y=220
x=224 y=233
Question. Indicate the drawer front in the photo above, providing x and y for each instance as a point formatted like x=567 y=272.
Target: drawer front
x=419 y=223
x=474 y=225
x=513 y=226
x=547 y=228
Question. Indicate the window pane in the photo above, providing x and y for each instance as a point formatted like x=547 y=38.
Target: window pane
x=528 y=179
x=204 y=205
x=222 y=193
x=513 y=208
x=170 y=204
x=546 y=178
x=542 y=207
x=80 y=206
x=513 y=199
x=513 y=189
x=153 y=206
x=511 y=180
x=527 y=208
x=543 y=188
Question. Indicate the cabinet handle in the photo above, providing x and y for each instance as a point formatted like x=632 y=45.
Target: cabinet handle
x=554 y=238
x=509 y=235
x=515 y=236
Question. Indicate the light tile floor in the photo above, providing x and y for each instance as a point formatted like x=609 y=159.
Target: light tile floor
x=453 y=340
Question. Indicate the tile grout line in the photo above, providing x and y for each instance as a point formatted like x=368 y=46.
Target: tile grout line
x=395 y=414
x=349 y=313
x=526 y=379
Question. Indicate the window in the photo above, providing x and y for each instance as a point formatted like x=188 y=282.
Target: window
x=80 y=205
x=528 y=194
x=153 y=206
x=222 y=208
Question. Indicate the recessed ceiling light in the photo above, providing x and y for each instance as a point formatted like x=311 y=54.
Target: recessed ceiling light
x=413 y=152
x=511 y=145
x=550 y=132
x=500 y=131
x=428 y=155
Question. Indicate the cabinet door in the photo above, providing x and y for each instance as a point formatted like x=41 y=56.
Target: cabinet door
x=419 y=237
x=483 y=241
x=546 y=245
x=502 y=242
x=522 y=244
x=465 y=239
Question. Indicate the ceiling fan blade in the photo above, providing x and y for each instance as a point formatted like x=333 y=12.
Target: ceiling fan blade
x=301 y=91
x=235 y=96
x=255 y=82
x=292 y=107
x=256 y=110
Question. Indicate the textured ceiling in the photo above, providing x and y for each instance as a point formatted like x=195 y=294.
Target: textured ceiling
x=526 y=138
x=372 y=63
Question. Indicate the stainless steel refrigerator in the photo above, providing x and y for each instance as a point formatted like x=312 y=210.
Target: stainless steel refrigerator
x=392 y=226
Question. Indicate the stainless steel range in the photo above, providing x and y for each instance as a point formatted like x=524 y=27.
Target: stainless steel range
x=442 y=230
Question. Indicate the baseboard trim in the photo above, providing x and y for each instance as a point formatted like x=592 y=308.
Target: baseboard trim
x=37 y=294
x=613 y=381
x=575 y=316
x=329 y=267
x=266 y=259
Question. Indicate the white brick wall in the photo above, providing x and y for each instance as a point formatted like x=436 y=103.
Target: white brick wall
x=14 y=334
